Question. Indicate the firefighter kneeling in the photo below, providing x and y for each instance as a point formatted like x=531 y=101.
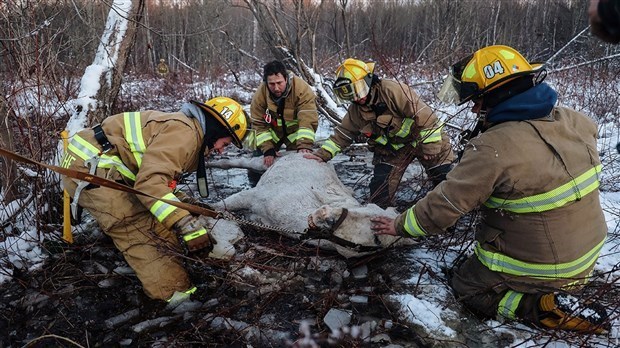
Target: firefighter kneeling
x=535 y=169
x=150 y=150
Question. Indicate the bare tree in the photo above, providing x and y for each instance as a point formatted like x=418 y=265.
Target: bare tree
x=96 y=98
x=8 y=174
x=345 y=25
x=275 y=35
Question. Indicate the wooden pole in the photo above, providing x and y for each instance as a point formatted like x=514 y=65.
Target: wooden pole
x=66 y=208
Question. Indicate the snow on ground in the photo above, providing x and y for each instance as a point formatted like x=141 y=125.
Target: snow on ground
x=431 y=307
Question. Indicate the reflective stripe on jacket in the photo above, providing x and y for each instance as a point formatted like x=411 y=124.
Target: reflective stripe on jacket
x=569 y=192
x=151 y=149
x=300 y=115
x=536 y=182
x=431 y=135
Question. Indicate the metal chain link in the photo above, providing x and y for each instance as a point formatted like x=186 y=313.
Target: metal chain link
x=229 y=216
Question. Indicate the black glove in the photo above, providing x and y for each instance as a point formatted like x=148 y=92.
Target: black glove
x=270 y=152
x=194 y=235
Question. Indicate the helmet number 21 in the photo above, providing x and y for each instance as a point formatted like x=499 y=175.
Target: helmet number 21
x=492 y=69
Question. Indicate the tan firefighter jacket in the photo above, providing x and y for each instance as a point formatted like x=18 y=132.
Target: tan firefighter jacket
x=537 y=183
x=394 y=119
x=300 y=116
x=151 y=150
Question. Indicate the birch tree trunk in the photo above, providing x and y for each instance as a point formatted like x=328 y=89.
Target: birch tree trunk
x=8 y=173
x=102 y=79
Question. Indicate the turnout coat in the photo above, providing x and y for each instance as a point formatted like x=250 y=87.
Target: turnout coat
x=299 y=112
x=394 y=121
x=151 y=149
x=542 y=226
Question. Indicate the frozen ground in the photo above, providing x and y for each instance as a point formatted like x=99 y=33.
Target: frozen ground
x=276 y=292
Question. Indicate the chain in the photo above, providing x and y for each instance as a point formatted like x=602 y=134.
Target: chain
x=229 y=216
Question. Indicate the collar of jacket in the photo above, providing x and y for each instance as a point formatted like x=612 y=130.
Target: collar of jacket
x=373 y=94
x=287 y=91
x=193 y=111
x=536 y=102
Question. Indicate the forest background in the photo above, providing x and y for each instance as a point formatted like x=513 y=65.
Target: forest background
x=47 y=49
x=51 y=49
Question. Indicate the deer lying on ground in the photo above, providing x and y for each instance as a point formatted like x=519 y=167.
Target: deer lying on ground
x=306 y=200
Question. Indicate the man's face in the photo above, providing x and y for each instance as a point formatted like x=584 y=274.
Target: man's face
x=220 y=145
x=360 y=101
x=276 y=84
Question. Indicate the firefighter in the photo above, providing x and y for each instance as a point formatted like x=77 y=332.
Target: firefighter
x=162 y=68
x=150 y=151
x=534 y=171
x=398 y=125
x=283 y=112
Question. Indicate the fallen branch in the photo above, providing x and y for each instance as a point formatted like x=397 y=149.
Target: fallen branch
x=30 y=344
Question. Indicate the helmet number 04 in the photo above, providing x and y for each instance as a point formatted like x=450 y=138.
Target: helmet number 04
x=492 y=69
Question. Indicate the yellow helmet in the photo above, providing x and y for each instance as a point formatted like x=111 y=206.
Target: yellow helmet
x=230 y=114
x=353 y=79
x=484 y=71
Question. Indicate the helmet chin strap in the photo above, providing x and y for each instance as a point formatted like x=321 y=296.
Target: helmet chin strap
x=201 y=172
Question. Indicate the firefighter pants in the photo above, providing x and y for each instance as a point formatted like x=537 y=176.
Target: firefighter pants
x=147 y=246
x=389 y=170
x=481 y=291
x=254 y=176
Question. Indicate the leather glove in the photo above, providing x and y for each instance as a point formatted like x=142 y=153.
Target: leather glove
x=194 y=235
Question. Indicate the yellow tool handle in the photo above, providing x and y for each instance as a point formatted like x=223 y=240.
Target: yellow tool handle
x=66 y=208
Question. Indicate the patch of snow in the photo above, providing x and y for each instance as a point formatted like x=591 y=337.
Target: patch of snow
x=425 y=313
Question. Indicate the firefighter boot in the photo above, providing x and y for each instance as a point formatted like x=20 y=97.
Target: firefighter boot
x=566 y=312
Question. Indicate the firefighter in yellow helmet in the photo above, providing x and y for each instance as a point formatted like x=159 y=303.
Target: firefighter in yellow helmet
x=150 y=151
x=283 y=113
x=397 y=125
x=162 y=68
x=533 y=170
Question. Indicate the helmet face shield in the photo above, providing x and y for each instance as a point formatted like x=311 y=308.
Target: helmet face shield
x=487 y=69
x=347 y=91
x=454 y=91
x=449 y=92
